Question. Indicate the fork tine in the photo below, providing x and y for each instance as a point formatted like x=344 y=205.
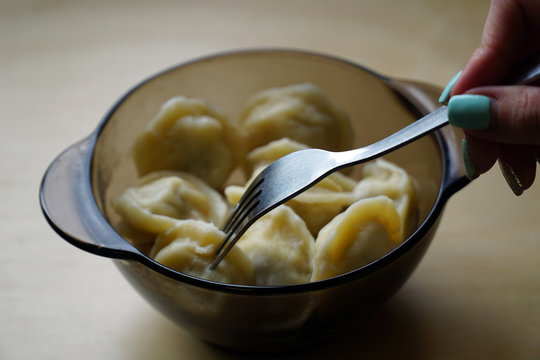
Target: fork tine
x=246 y=199
x=242 y=212
x=220 y=253
x=239 y=217
x=238 y=220
x=234 y=234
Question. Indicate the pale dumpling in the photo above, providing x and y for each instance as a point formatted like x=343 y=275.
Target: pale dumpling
x=192 y=136
x=268 y=153
x=299 y=112
x=322 y=202
x=280 y=248
x=190 y=247
x=318 y=206
x=161 y=198
x=381 y=177
x=366 y=231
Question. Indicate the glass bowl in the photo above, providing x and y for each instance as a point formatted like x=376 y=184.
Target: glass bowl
x=80 y=184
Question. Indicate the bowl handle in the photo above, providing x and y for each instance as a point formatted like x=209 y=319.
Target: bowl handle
x=68 y=204
x=423 y=98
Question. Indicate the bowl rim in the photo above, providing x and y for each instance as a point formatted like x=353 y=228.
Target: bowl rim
x=446 y=189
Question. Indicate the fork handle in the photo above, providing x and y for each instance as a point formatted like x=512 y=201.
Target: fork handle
x=429 y=123
x=526 y=72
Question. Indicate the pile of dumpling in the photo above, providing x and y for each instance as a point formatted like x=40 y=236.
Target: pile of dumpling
x=185 y=158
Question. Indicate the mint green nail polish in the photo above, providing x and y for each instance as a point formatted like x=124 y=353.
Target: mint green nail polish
x=469 y=111
x=445 y=95
x=470 y=171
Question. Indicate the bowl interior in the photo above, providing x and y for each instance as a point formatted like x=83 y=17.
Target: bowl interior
x=228 y=80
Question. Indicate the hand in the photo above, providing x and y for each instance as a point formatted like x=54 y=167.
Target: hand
x=500 y=122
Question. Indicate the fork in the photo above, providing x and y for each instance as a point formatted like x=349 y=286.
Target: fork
x=296 y=172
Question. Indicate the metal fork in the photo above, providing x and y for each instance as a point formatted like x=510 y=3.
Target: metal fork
x=296 y=172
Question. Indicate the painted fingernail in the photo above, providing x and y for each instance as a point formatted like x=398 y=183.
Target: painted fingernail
x=470 y=170
x=511 y=177
x=445 y=95
x=469 y=111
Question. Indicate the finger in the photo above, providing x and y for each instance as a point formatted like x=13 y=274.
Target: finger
x=479 y=155
x=511 y=32
x=514 y=114
x=518 y=166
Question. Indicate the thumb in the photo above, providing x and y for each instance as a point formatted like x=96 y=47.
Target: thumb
x=514 y=114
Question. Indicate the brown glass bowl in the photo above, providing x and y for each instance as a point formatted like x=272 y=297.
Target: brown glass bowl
x=81 y=183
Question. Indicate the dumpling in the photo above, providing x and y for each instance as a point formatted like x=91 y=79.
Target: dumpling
x=192 y=136
x=268 y=153
x=190 y=247
x=318 y=206
x=280 y=248
x=300 y=112
x=382 y=177
x=366 y=231
x=160 y=199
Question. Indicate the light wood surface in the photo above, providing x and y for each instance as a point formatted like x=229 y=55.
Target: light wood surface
x=476 y=295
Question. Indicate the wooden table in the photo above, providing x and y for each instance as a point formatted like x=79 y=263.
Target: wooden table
x=476 y=295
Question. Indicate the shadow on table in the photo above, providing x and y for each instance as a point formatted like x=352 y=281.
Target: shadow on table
x=407 y=327
x=391 y=332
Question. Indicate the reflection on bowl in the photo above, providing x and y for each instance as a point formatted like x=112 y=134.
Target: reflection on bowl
x=79 y=189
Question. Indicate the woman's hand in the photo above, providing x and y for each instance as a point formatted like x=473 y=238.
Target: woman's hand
x=500 y=122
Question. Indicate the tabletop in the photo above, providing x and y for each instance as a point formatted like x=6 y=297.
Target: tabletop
x=475 y=295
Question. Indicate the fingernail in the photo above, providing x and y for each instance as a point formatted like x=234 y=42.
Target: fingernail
x=470 y=170
x=511 y=177
x=445 y=95
x=469 y=111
